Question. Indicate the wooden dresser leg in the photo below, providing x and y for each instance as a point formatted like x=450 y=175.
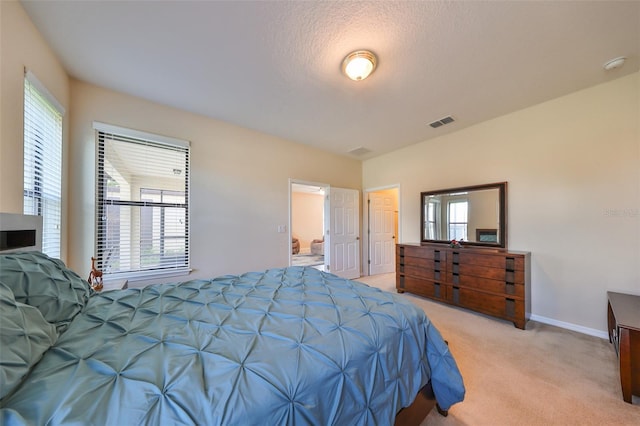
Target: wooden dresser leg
x=443 y=413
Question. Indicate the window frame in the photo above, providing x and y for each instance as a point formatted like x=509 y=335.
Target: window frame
x=453 y=224
x=432 y=221
x=43 y=160
x=163 y=219
x=122 y=134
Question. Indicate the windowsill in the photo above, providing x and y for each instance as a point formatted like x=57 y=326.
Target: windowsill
x=111 y=284
x=148 y=275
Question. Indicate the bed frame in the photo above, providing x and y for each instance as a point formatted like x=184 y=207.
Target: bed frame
x=415 y=414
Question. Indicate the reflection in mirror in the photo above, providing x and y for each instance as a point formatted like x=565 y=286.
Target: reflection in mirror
x=474 y=215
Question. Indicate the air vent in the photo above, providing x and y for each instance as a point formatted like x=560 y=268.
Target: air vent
x=359 y=151
x=442 y=122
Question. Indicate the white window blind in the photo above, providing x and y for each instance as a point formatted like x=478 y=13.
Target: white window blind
x=43 y=161
x=142 y=223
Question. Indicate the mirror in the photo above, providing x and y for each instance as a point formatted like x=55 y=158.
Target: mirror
x=474 y=215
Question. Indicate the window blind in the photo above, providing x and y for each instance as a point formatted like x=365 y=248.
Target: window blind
x=43 y=161
x=142 y=206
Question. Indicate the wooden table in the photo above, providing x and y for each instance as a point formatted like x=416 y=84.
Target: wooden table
x=623 y=317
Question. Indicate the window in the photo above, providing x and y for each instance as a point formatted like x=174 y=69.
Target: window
x=458 y=214
x=142 y=223
x=432 y=220
x=43 y=161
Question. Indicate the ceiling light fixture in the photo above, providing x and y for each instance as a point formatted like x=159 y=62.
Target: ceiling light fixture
x=359 y=65
x=614 y=63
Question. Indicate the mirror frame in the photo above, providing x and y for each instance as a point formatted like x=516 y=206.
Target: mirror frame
x=502 y=200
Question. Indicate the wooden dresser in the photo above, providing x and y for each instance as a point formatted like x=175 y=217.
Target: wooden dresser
x=492 y=281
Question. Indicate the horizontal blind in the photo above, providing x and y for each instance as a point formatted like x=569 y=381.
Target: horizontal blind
x=43 y=161
x=142 y=222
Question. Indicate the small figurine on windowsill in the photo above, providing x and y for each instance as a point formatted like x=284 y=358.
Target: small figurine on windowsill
x=455 y=244
x=95 y=276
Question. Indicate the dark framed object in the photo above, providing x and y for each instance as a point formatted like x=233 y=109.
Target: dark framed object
x=487 y=235
x=11 y=240
x=473 y=215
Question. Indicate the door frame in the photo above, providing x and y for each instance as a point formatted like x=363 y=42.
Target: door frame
x=292 y=181
x=366 y=254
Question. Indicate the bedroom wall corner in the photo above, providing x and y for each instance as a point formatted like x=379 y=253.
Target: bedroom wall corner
x=23 y=46
x=573 y=168
x=239 y=181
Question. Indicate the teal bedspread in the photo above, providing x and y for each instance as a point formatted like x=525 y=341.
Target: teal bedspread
x=282 y=347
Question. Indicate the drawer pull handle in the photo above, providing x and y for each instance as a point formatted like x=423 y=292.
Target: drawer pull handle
x=510 y=308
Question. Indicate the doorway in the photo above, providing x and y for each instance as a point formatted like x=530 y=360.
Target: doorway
x=339 y=237
x=308 y=206
x=382 y=226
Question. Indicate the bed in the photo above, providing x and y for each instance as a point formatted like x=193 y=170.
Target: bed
x=283 y=346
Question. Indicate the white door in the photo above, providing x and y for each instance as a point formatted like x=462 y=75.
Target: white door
x=382 y=238
x=343 y=232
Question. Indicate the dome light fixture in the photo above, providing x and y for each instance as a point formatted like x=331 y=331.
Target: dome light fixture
x=359 y=65
x=614 y=63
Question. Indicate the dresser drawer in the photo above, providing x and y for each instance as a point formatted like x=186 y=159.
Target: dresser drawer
x=489 y=285
x=512 y=263
x=516 y=277
x=500 y=306
x=421 y=252
x=420 y=262
x=427 y=288
x=432 y=274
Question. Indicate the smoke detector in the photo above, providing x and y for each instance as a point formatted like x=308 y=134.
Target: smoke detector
x=359 y=151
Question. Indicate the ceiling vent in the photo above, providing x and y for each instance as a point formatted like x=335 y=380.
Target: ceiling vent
x=359 y=151
x=442 y=122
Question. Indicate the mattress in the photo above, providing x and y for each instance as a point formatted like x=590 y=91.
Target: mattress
x=284 y=346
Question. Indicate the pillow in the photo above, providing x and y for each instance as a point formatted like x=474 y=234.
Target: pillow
x=46 y=283
x=24 y=337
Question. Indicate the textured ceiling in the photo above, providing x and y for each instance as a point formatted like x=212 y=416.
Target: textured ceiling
x=274 y=66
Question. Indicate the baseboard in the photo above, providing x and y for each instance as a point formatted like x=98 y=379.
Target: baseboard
x=569 y=326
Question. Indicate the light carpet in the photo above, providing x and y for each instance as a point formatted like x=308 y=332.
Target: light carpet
x=543 y=375
x=307 y=259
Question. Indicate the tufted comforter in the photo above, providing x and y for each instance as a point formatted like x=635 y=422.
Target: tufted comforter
x=285 y=346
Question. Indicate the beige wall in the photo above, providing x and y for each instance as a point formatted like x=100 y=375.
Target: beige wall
x=573 y=169
x=239 y=181
x=307 y=218
x=23 y=46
